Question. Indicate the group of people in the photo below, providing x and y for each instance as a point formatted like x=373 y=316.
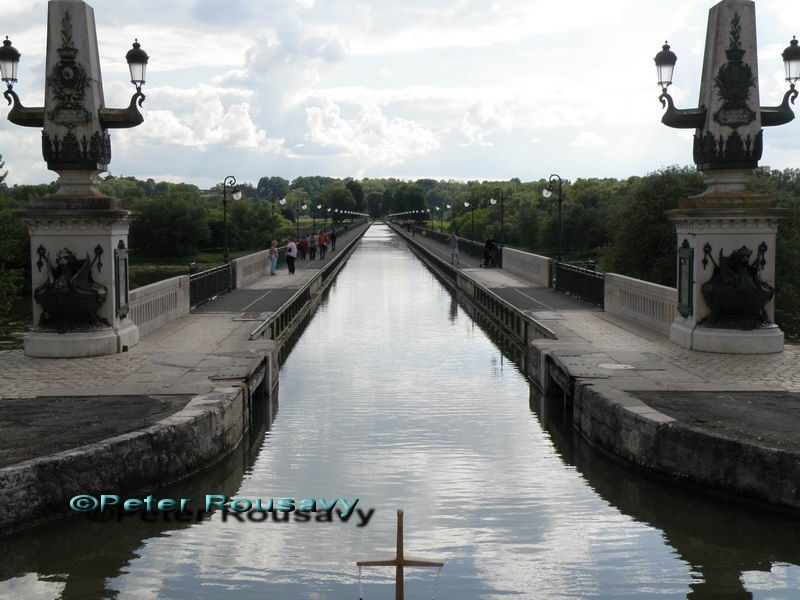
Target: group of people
x=306 y=247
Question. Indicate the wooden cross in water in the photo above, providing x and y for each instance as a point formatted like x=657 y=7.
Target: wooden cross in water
x=400 y=561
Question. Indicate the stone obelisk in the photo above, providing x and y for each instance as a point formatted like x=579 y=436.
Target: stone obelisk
x=726 y=235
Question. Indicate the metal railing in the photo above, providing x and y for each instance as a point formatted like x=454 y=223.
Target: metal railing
x=209 y=284
x=585 y=284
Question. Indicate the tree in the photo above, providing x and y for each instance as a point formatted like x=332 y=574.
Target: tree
x=175 y=223
x=358 y=194
x=643 y=241
x=272 y=189
x=2 y=175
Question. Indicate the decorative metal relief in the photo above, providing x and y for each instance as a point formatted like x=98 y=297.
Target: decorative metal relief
x=735 y=293
x=734 y=81
x=68 y=82
x=685 y=279
x=70 y=298
x=121 y=280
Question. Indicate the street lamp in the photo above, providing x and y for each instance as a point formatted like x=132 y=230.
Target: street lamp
x=452 y=215
x=492 y=201
x=236 y=194
x=791 y=60
x=467 y=205
x=547 y=192
x=9 y=61
x=303 y=207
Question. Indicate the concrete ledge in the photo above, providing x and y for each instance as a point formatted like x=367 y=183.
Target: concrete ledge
x=206 y=430
x=80 y=344
x=623 y=425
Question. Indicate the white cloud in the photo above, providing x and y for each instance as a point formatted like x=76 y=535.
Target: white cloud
x=482 y=120
x=588 y=140
x=371 y=136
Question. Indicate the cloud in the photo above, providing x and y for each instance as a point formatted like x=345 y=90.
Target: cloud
x=588 y=140
x=485 y=119
x=198 y=118
x=370 y=136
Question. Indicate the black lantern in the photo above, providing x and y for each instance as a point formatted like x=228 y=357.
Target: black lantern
x=791 y=60
x=9 y=61
x=137 y=63
x=665 y=64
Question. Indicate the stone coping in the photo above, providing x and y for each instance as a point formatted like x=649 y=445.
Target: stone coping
x=208 y=428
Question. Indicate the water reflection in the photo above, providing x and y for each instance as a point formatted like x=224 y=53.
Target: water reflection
x=75 y=559
x=720 y=540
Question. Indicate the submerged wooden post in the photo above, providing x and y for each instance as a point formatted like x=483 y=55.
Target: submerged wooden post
x=399 y=561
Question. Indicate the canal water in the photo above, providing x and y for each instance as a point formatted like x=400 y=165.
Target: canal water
x=394 y=396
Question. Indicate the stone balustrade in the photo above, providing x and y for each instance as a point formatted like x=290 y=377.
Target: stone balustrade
x=530 y=267
x=153 y=305
x=649 y=304
x=251 y=267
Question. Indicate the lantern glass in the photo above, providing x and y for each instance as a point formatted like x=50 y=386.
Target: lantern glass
x=8 y=68
x=665 y=74
x=791 y=60
x=492 y=201
x=547 y=192
x=138 y=71
x=237 y=194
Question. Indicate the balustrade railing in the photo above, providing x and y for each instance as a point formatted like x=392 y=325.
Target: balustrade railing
x=585 y=284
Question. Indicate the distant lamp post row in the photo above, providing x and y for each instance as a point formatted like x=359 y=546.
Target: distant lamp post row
x=228 y=183
x=547 y=192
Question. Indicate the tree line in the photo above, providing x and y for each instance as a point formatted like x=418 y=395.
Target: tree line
x=619 y=223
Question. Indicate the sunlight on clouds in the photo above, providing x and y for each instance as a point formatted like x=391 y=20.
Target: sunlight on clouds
x=485 y=119
x=371 y=136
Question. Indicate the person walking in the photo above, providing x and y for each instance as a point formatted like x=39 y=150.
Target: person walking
x=323 y=245
x=453 y=241
x=333 y=240
x=303 y=246
x=312 y=245
x=291 y=254
x=272 y=256
x=489 y=252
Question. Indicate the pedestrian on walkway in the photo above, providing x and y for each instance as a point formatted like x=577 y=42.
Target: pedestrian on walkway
x=291 y=254
x=303 y=246
x=312 y=245
x=272 y=256
x=490 y=249
x=333 y=240
x=323 y=244
x=453 y=241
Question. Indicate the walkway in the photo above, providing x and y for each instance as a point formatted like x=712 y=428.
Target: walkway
x=589 y=340
x=188 y=356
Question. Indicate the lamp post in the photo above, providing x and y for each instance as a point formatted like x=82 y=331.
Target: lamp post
x=547 y=192
x=319 y=206
x=467 y=205
x=91 y=314
x=303 y=207
x=452 y=215
x=236 y=194
x=493 y=201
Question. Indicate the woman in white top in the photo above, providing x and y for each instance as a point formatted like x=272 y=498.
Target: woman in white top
x=453 y=241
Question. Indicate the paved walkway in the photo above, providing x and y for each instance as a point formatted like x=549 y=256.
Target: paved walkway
x=594 y=344
x=189 y=355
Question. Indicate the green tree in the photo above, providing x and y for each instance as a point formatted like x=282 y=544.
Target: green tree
x=643 y=241
x=175 y=223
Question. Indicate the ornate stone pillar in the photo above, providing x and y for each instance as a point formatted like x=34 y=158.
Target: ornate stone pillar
x=79 y=237
x=726 y=235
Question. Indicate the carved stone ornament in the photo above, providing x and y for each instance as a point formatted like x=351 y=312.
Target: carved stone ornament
x=735 y=293
x=68 y=82
x=70 y=298
x=71 y=150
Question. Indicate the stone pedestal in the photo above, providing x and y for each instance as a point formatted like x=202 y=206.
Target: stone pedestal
x=723 y=219
x=95 y=235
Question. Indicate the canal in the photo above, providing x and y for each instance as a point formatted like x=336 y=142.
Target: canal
x=395 y=396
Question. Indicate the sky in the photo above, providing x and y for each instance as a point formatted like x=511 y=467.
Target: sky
x=463 y=89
